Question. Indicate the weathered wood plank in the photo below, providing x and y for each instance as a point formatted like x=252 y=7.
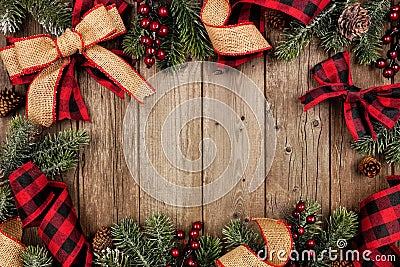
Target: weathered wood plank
x=301 y=164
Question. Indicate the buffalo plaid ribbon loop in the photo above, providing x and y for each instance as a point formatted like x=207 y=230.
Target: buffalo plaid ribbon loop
x=381 y=103
x=380 y=226
x=47 y=204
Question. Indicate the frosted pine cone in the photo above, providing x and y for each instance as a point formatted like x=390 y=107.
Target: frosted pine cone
x=354 y=21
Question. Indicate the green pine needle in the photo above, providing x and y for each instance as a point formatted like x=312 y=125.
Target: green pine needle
x=210 y=250
x=238 y=233
x=111 y=258
x=131 y=42
x=53 y=15
x=191 y=30
x=58 y=153
x=387 y=143
x=7 y=203
x=36 y=256
x=342 y=224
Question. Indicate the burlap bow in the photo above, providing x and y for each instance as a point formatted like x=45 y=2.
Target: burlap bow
x=52 y=57
x=381 y=103
x=10 y=243
x=278 y=242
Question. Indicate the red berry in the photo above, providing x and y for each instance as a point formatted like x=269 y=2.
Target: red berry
x=194 y=245
x=157 y=41
x=396 y=67
x=396 y=8
x=191 y=262
x=146 y=40
x=175 y=252
x=296 y=214
x=392 y=54
x=163 y=31
x=310 y=243
x=388 y=72
x=194 y=234
x=150 y=51
x=387 y=39
x=154 y=26
x=310 y=219
x=301 y=206
x=180 y=234
x=301 y=231
x=163 y=11
x=289 y=225
x=196 y=225
x=144 y=9
x=160 y=55
x=149 y=61
x=145 y=22
x=380 y=63
x=295 y=236
x=394 y=15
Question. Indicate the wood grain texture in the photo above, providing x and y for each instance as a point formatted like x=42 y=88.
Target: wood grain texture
x=313 y=157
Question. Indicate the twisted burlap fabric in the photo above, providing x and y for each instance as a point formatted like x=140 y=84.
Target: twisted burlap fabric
x=230 y=40
x=51 y=58
x=10 y=243
x=278 y=242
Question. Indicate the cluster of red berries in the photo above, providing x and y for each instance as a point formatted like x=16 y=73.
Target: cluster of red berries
x=389 y=65
x=299 y=230
x=190 y=245
x=150 y=15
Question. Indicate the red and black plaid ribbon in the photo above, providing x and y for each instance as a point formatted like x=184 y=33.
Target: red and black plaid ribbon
x=253 y=11
x=380 y=227
x=381 y=103
x=48 y=205
x=70 y=104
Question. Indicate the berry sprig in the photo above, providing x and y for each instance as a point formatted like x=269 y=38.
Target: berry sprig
x=151 y=14
x=186 y=256
x=298 y=229
x=389 y=65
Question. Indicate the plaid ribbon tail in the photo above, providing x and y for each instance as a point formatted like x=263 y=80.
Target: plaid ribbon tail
x=48 y=205
x=380 y=227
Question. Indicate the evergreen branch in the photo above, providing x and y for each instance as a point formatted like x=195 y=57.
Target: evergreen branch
x=18 y=147
x=370 y=44
x=191 y=30
x=160 y=230
x=111 y=258
x=36 y=256
x=53 y=15
x=58 y=154
x=131 y=42
x=127 y=237
x=342 y=224
x=173 y=46
x=12 y=15
x=238 y=233
x=299 y=35
x=210 y=250
x=7 y=203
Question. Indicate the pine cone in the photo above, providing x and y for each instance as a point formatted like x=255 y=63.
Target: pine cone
x=342 y=264
x=275 y=19
x=354 y=21
x=9 y=100
x=102 y=239
x=370 y=167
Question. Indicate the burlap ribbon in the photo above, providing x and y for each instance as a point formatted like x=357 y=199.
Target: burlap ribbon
x=230 y=40
x=10 y=243
x=277 y=238
x=51 y=57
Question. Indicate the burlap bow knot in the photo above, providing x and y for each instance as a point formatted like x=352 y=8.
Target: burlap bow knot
x=50 y=57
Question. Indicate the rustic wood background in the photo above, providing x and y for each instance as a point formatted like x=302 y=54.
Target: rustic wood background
x=313 y=156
